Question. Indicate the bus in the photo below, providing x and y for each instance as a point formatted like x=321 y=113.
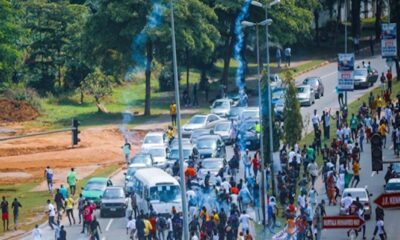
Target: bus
x=155 y=187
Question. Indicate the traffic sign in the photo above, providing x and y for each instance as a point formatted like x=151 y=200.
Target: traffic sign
x=335 y=222
x=388 y=200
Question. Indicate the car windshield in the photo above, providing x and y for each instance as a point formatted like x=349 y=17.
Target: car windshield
x=153 y=140
x=221 y=104
x=303 y=90
x=211 y=164
x=197 y=120
x=95 y=186
x=206 y=144
x=393 y=186
x=354 y=195
x=277 y=94
x=250 y=114
x=113 y=193
x=360 y=72
x=310 y=81
x=222 y=127
x=157 y=152
x=174 y=154
x=166 y=193
x=248 y=126
x=146 y=159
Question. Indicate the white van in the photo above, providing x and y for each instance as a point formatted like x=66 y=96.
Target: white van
x=156 y=187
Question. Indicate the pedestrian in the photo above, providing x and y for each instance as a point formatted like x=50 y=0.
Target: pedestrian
x=63 y=233
x=87 y=217
x=278 y=56
x=195 y=99
x=256 y=204
x=246 y=159
x=4 y=213
x=379 y=105
x=69 y=206
x=389 y=78
x=244 y=220
x=291 y=227
x=354 y=127
x=380 y=230
x=245 y=198
x=140 y=228
x=154 y=228
x=48 y=174
x=248 y=236
x=382 y=80
x=59 y=200
x=379 y=213
x=361 y=134
x=312 y=169
x=382 y=131
x=51 y=214
x=177 y=226
x=169 y=228
x=126 y=149
x=64 y=191
x=339 y=93
x=71 y=180
x=315 y=121
x=131 y=228
x=356 y=44
x=301 y=227
x=81 y=206
x=172 y=112
x=326 y=121
x=356 y=173
x=288 y=55
x=57 y=229
x=95 y=228
x=15 y=206
x=256 y=164
x=37 y=233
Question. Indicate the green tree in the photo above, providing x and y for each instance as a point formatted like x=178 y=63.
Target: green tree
x=98 y=85
x=293 y=122
x=9 y=37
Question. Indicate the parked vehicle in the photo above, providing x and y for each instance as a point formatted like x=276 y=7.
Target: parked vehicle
x=113 y=202
x=365 y=200
x=225 y=130
x=305 y=95
x=156 y=187
x=221 y=107
x=247 y=135
x=95 y=188
x=316 y=84
x=210 y=146
x=393 y=185
x=200 y=121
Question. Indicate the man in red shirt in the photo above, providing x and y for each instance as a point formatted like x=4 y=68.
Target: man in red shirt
x=256 y=164
x=389 y=78
x=87 y=215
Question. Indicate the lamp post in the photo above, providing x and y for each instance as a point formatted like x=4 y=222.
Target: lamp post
x=345 y=42
x=178 y=125
x=270 y=145
x=251 y=24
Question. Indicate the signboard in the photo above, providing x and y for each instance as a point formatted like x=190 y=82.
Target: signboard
x=342 y=222
x=389 y=40
x=345 y=72
x=388 y=200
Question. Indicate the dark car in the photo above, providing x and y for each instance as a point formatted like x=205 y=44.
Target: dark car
x=198 y=133
x=316 y=84
x=247 y=136
x=113 y=202
x=277 y=95
x=173 y=154
x=210 y=146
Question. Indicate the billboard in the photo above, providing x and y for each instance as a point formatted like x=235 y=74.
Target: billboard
x=345 y=72
x=389 y=40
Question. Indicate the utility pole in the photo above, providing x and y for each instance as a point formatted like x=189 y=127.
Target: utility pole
x=345 y=42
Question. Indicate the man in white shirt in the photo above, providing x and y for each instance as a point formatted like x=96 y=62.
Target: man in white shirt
x=37 y=233
x=301 y=200
x=225 y=185
x=339 y=134
x=291 y=156
x=131 y=228
x=346 y=202
x=51 y=213
x=346 y=132
x=315 y=120
x=244 y=220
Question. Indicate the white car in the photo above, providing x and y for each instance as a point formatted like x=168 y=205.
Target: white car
x=155 y=139
x=221 y=107
x=250 y=113
x=225 y=130
x=212 y=165
x=159 y=155
x=275 y=81
x=305 y=95
x=200 y=121
x=363 y=195
x=393 y=185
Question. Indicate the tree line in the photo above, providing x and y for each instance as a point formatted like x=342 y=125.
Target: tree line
x=56 y=46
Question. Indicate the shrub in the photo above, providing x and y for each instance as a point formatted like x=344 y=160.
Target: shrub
x=28 y=95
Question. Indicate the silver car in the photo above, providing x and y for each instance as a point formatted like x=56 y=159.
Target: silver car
x=360 y=76
x=221 y=107
x=211 y=166
x=305 y=95
x=316 y=84
x=225 y=130
x=159 y=155
x=113 y=202
x=200 y=121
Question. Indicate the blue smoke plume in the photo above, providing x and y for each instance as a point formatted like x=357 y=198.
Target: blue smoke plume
x=241 y=62
x=154 y=20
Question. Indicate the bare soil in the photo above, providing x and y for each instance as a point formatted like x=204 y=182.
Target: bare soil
x=16 y=111
x=26 y=159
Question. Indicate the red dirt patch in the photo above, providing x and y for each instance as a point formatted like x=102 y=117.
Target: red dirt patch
x=16 y=111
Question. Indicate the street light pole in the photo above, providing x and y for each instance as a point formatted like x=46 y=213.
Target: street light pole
x=178 y=124
x=345 y=42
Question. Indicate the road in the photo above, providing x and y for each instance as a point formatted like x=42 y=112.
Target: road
x=114 y=228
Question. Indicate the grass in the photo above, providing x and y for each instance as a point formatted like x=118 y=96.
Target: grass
x=34 y=203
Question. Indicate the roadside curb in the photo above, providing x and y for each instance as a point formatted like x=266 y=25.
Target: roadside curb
x=312 y=68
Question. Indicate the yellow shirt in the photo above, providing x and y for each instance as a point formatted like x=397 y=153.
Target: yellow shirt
x=291 y=226
x=69 y=203
x=356 y=169
x=216 y=219
x=382 y=129
x=172 y=109
x=379 y=103
x=147 y=227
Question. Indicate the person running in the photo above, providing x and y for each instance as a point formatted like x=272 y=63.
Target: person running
x=126 y=149
x=382 y=131
x=71 y=180
x=94 y=229
x=380 y=230
x=69 y=205
x=51 y=213
x=356 y=173
x=37 y=233
x=81 y=206
x=172 y=112
x=87 y=216
x=244 y=220
x=59 y=200
x=4 y=212
x=48 y=174
x=15 y=206
x=389 y=78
